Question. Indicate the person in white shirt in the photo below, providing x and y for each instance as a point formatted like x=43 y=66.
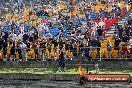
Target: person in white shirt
x=101 y=23
x=40 y=28
x=20 y=36
x=13 y=36
x=21 y=27
x=16 y=11
x=23 y=46
x=81 y=36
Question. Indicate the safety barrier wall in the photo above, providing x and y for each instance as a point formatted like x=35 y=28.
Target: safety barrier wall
x=117 y=65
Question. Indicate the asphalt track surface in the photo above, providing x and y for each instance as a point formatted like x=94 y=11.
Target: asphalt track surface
x=55 y=84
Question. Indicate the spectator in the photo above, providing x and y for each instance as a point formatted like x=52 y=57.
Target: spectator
x=130 y=42
x=4 y=44
x=5 y=35
x=87 y=52
x=101 y=24
x=19 y=50
x=20 y=36
x=62 y=61
x=100 y=32
x=120 y=30
x=1 y=45
x=23 y=47
x=25 y=37
x=43 y=49
x=125 y=38
x=35 y=35
x=13 y=36
x=12 y=50
x=93 y=42
x=117 y=42
x=35 y=46
x=125 y=51
x=127 y=30
x=109 y=48
x=28 y=45
x=98 y=43
x=129 y=21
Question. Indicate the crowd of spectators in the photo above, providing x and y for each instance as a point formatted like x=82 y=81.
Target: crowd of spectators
x=124 y=36
x=46 y=28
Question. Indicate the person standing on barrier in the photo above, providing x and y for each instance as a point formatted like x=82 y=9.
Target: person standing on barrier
x=81 y=49
x=55 y=45
x=100 y=31
x=62 y=62
x=23 y=48
x=1 y=46
x=49 y=46
x=120 y=30
x=87 y=52
x=35 y=51
x=19 y=50
x=130 y=45
x=4 y=45
x=109 y=48
x=98 y=44
x=116 y=44
x=12 y=51
x=43 y=48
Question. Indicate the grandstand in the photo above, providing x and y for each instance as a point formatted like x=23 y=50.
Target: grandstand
x=81 y=28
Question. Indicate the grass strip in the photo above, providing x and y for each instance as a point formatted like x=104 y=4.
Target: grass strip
x=55 y=71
